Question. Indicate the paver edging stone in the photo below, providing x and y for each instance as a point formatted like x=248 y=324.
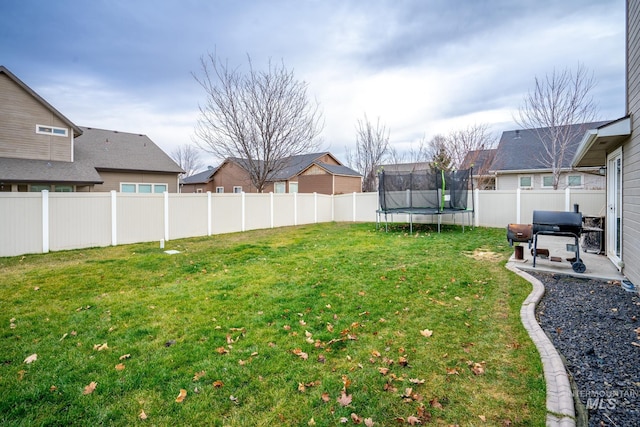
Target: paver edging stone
x=560 y=407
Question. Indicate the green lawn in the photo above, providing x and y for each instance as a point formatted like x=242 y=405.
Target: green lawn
x=292 y=326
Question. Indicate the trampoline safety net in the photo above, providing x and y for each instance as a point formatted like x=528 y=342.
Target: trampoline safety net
x=426 y=191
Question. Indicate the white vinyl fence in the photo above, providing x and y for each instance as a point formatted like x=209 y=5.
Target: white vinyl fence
x=43 y=222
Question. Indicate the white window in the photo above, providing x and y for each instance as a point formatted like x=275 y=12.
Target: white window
x=237 y=189
x=159 y=188
x=574 y=180
x=144 y=188
x=51 y=130
x=198 y=190
x=547 y=181
x=280 y=187
x=293 y=187
x=525 y=181
x=219 y=189
x=39 y=187
x=130 y=187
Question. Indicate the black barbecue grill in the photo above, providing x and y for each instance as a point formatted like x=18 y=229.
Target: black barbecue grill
x=556 y=223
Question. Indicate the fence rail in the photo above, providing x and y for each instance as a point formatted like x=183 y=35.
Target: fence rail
x=43 y=222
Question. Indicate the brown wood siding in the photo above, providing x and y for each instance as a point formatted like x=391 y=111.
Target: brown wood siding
x=198 y=188
x=348 y=184
x=231 y=175
x=322 y=184
x=112 y=180
x=19 y=114
x=631 y=152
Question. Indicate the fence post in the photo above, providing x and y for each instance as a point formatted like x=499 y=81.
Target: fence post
x=271 y=208
x=476 y=207
x=567 y=199
x=518 y=206
x=315 y=207
x=354 y=206
x=242 y=227
x=209 y=213
x=45 y=221
x=114 y=219
x=166 y=216
x=295 y=208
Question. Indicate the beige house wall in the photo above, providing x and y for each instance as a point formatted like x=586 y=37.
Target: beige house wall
x=19 y=114
x=112 y=180
x=590 y=181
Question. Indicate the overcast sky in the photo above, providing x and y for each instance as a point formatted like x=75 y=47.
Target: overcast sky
x=422 y=66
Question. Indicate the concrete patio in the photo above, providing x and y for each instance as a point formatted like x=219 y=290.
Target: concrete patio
x=597 y=266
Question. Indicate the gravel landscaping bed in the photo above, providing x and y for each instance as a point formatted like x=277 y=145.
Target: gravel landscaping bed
x=595 y=325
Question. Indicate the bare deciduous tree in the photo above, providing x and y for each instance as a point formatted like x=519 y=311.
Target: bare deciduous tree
x=262 y=117
x=475 y=137
x=372 y=146
x=188 y=157
x=556 y=102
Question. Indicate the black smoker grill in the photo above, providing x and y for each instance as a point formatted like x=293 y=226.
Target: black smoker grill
x=555 y=223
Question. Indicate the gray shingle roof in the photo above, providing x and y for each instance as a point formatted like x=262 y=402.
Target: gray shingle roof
x=199 y=178
x=479 y=160
x=22 y=170
x=523 y=149
x=337 y=169
x=114 y=150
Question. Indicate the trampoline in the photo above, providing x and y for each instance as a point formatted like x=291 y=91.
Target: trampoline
x=432 y=192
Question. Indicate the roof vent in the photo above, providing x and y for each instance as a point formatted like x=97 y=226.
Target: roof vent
x=517 y=134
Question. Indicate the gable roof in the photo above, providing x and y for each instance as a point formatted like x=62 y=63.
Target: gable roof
x=521 y=149
x=114 y=150
x=76 y=130
x=334 y=169
x=200 y=177
x=479 y=160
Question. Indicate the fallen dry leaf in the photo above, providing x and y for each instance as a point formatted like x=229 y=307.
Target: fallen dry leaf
x=142 y=415
x=325 y=397
x=100 y=347
x=311 y=422
x=344 y=399
x=301 y=387
x=416 y=381
x=120 y=367
x=181 y=396
x=124 y=356
x=222 y=350
x=21 y=373
x=90 y=388
x=369 y=422
x=218 y=384
x=452 y=371
x=199 y=375
x=435 y=403
x=426 y=333
x=482 y=417
x=355 y=418
x=31 y=358
x=412 y=420
x=383 y=371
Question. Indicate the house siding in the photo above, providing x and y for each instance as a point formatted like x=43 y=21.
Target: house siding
x=19 y=114
x=232 y=175
x=631 y=152
x=112 y=180
x=589 y=181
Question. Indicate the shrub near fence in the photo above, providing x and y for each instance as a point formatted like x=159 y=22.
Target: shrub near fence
x=43 y=222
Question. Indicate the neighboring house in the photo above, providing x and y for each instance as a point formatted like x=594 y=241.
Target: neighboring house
x=615 y=147
x=41 y=149
x=405 y=167
x=519 y=162
x=307 y=173
x=480 y=161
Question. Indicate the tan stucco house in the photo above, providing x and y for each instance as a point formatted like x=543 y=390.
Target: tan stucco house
x=41 y=149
